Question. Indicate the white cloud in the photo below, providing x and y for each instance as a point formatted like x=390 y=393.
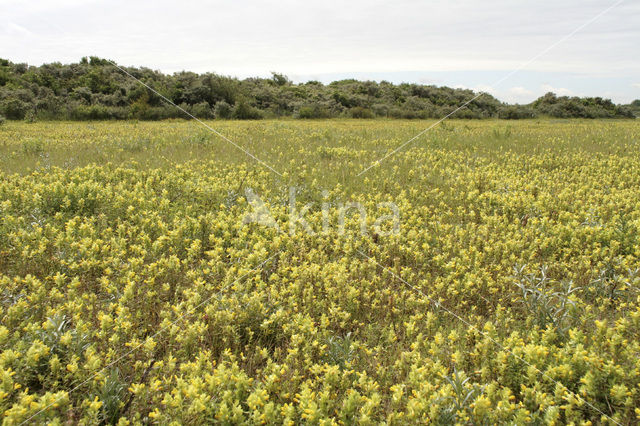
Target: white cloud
x=485 y=88
x=520 y=91
x=428 y=80
x=518 y=95
x=560 y=91
x=253 y=37
x=477 y=88
x=637 y=85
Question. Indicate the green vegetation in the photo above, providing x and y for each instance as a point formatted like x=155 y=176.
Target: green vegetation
x=94 y=89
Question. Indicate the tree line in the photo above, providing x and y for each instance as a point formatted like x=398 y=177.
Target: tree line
x=94 y=89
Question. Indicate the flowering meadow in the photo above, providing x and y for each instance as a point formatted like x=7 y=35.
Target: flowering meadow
x=133 y=290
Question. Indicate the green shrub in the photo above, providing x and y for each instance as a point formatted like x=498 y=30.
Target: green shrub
x=97 y=112
x=313 y=111
x=360 y=112
x=202 y=110
x=14 y=109
x=244 y=111
x=222 y=110
x=515 y=112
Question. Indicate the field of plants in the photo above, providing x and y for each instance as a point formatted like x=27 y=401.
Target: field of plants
x=133 y=290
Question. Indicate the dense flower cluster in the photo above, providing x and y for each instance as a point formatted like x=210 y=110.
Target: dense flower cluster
x=132 y=292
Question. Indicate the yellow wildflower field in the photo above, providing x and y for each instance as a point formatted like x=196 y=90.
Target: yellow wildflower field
x=152 y=272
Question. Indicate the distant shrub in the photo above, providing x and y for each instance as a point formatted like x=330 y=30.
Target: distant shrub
x=244 y=111
x=81 y=94
x=313 y=111
x=56 y=91
x=515 y=112
x=139 y=108
x=202 y=110
x=222 y=110
x=380 y=110
x=279 y=79
x=395 y=112
x=465 y=113
x=96 y=112
x=2 y=119
x=625 y=111
x=14 y=109
x=360 y=112
x=575 y=107
x=163 y=112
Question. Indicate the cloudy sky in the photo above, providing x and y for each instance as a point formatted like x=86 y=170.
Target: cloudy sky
x=450 y=42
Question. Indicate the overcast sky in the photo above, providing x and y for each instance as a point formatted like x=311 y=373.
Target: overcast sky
x=461 y=43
